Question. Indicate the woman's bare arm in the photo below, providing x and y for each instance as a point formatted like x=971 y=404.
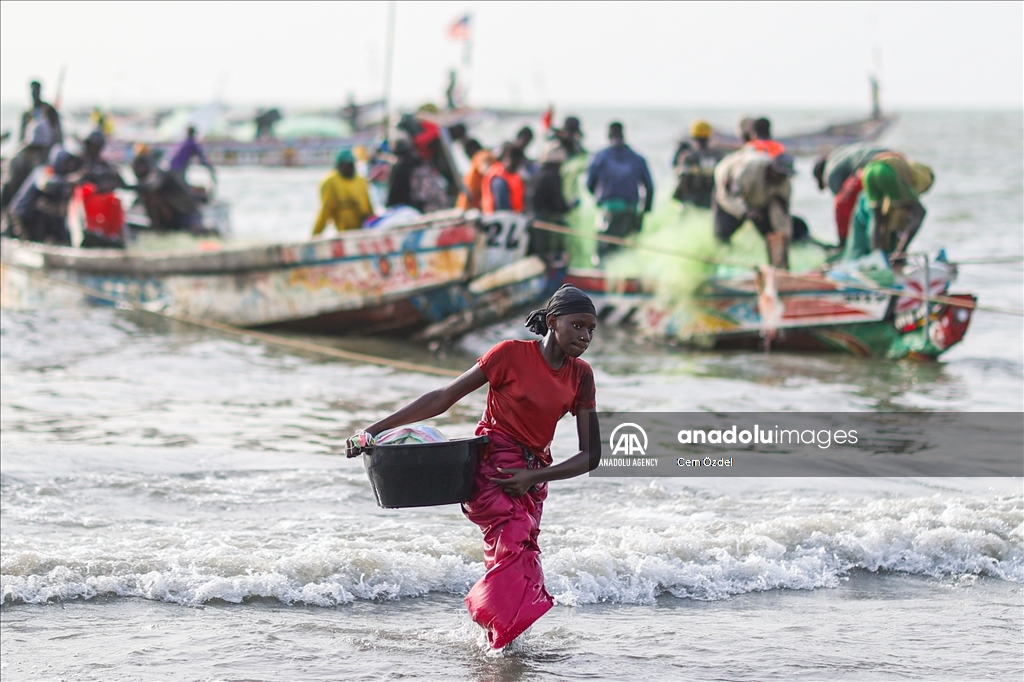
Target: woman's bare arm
x=589 y=433
x=432 y=403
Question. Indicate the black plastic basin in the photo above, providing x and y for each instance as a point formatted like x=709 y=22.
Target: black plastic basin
x=423 y=474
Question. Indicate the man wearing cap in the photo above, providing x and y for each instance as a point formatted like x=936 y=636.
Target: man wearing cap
x=344 y=196
x=695 y=165
x=614 y=178
x=751 y=185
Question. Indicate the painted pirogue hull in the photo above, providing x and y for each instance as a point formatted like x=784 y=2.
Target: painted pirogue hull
x=301 y=153
x=817 y=314
x=359 y=280
x=526 y=283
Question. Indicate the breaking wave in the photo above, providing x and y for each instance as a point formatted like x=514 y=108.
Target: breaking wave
x=656 y=550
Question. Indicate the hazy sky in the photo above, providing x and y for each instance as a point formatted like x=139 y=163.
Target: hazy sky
x=931 y=55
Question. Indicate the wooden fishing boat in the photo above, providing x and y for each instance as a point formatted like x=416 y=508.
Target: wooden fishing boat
x=819 y=142
x=364 y=281
x=312 y=151
x=266 y=152
x=866 y=309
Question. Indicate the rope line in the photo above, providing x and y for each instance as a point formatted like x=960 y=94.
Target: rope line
x=956 y=302
x=988 y=261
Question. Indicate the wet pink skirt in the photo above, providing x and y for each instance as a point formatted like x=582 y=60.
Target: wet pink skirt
x=510 y=596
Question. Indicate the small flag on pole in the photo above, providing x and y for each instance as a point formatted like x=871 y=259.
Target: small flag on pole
x=460 y=29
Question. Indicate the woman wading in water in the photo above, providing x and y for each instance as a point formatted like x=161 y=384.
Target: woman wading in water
x=531 y=386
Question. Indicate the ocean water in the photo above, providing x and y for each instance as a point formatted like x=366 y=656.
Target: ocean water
x=175 y=504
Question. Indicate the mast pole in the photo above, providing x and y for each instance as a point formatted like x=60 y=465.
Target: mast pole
x=389 y=58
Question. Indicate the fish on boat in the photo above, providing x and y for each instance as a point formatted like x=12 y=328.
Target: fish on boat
x=867 y=308
x=367 y=281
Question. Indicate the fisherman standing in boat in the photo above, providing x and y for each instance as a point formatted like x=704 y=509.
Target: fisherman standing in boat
x=695 y=163
x=751 y=185
x=614 y=178
x=181 y=156
x=840 y=172
x=41 y=111
x=344 y=196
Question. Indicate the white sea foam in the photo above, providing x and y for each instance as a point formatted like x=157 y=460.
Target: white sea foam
x=685 y=545
x=713 y=559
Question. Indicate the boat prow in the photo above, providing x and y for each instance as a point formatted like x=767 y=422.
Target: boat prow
x=876 y=311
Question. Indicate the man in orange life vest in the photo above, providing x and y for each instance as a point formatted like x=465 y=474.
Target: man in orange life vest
x=762 y=138
x=502 y=188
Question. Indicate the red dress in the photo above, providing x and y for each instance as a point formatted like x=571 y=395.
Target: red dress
x=846 y=202
x=525 y=401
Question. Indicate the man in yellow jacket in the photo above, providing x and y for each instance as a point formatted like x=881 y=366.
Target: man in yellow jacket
x=345 y=197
